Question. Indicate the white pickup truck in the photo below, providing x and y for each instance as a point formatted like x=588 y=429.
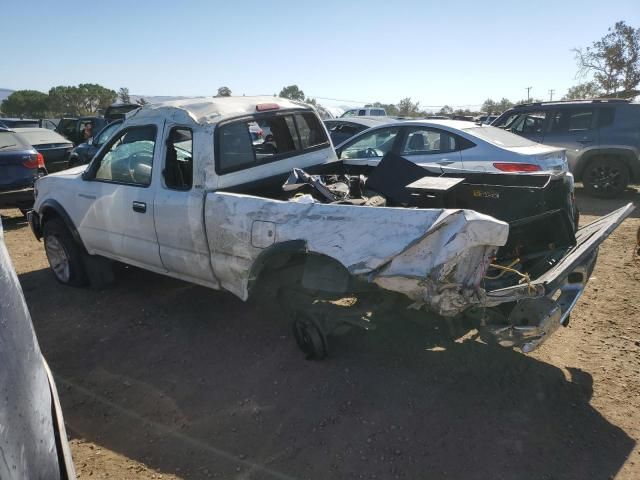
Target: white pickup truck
x=183 y=189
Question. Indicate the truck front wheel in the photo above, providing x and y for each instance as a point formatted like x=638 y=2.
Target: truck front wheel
x=64 y=254
x=605 y=177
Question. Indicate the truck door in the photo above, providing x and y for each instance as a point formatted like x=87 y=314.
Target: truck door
x=178 y=208
x=114 y=208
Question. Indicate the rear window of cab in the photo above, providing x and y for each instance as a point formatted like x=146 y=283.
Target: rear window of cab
x=265 y=138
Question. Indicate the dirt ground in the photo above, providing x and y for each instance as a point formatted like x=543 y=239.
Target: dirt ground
x=163 y=379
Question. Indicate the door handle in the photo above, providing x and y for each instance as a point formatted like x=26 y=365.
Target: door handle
x=139 y=207
x=86 y=195
x=585 y=140
x=445 y=162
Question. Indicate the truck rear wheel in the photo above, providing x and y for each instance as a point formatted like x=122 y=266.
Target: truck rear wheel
x=64 y=254
x=605 y=177
x=310 y=337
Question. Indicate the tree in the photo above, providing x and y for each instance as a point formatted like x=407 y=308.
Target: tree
x=224 y=92
x=614 y=60
x=504 y=104
x=85 y=99
x=446 y=111
x=292 y=92
x=311 y=101
x=26 y=103
x=490 y=106
x=123 y=95
x=141 y=101
x=583 y=91
x=407 y=108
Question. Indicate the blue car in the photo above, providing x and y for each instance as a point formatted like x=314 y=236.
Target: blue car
x=20 y=166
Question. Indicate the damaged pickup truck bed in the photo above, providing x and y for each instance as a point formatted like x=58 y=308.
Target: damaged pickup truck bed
x=184 y=190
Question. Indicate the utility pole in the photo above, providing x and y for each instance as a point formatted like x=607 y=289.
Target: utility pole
x=528 y=96
x=551 y=94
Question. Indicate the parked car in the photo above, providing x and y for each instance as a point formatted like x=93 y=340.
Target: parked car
x=452 y=144
x=343 y=129
x=53 y=146
x=182 y=190
x=365 y=112
x=20 y=166
x=117 y=111
x=73 y=128
x=488 y=119
x=600 y=136
x=83 y=153
x=19 y=122
x=34 y=440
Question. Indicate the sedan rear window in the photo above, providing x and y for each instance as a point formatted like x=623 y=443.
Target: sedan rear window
x=11 y=141
x=499 y=137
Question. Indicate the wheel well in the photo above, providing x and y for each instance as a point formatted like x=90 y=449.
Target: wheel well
x=293 y=265
x=625 y=157
x=50 y=211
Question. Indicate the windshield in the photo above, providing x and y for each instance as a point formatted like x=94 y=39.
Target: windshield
x=11 y=141
x=499 y=137
x=41 y=136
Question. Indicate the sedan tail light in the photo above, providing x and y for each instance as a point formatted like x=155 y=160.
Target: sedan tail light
x=35 y=161
x=517 y=167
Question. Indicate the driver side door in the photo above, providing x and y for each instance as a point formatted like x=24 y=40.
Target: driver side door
x=369 y=148
x=116 y=199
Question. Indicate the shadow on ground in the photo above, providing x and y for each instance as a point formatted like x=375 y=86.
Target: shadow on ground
x=183 y=378
x=601 y=206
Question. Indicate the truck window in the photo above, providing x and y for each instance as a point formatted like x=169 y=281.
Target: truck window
x=178 y=167
x=240 y=146
x=129 y=158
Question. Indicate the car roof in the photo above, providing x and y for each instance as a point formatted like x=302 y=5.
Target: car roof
x=213 y=110
x=364 y=121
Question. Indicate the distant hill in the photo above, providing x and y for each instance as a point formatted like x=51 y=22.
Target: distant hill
x=4 y=93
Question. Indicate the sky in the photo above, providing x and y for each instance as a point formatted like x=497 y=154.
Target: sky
x=341 y=52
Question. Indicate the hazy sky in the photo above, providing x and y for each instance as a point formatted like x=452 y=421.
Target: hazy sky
x=454 y=52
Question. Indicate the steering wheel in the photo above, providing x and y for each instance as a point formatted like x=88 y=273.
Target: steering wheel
x=371 y=152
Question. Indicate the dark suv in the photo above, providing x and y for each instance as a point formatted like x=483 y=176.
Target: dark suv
x=602 y=138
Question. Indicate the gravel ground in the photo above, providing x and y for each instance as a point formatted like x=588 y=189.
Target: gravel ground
x=163 y=379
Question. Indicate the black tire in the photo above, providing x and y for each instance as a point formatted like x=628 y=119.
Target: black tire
x=309 y=337
x=605 y=177
x=64 y=254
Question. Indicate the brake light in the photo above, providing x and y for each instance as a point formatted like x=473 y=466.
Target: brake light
x=35 y=161
x=517 y=167
x=263 y=107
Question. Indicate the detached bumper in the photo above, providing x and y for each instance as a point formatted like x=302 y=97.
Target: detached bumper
x=554 y=294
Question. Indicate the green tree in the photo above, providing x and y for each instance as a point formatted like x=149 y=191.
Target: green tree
x=389 y=108
x=26 y=103
x=583 y=91
x=224 y=92
x=445 y=111
x=123 y=95
x=490 y=106
x=407 y=108
x=504 y=104
x=292 y=92
x=614 y=61
x=85 y=99
x=141 y=101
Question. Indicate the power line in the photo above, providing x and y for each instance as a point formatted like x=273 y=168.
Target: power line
x=551 y=94
x=528 y=96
